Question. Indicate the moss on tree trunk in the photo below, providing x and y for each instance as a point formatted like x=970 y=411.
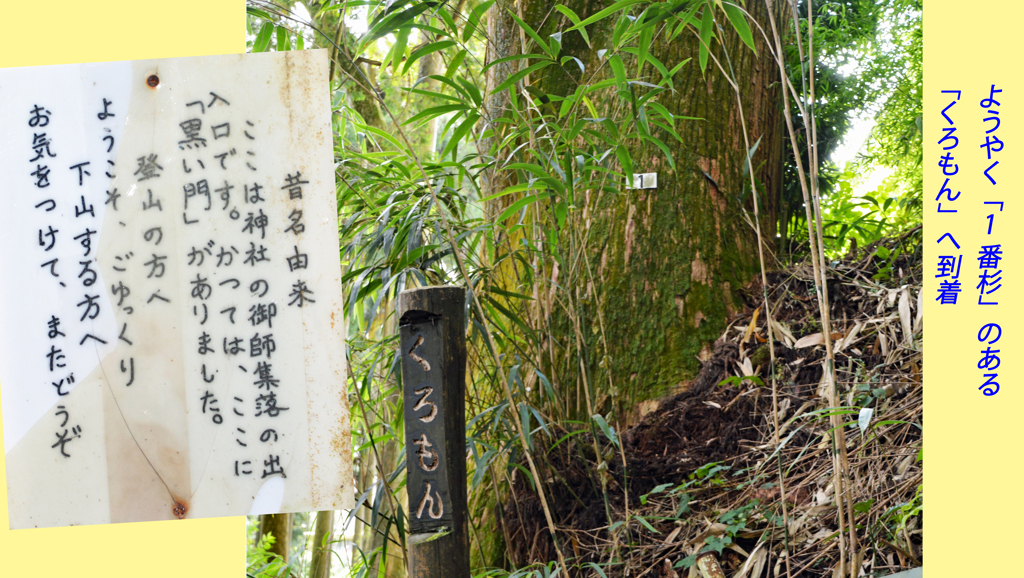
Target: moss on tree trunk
x=666 y=264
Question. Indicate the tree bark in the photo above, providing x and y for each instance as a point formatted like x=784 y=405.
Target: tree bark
x=320 y=566
x=666 y=264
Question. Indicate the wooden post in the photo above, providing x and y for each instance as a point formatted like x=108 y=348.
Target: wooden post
x=432 y=327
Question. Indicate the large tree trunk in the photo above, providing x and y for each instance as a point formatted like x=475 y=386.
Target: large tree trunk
x=320 y=566
x=665 y=264
x=280 y=527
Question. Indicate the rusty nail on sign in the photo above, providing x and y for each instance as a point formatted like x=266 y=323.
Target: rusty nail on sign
x=153 y=80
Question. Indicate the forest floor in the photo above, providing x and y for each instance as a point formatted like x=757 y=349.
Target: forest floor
x=700 y=470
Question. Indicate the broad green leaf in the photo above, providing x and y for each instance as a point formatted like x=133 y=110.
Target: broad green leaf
x=398 y=50
x=513 y=57
x=530 y=167
x=646 y=36
x=685 y=20
x=524 y=417
x=251 y=11
x=646 y=524
x=436 y=112
x=283 y=42
x=676 y=68
x=513 y=189
x=605 y=13
x=706 y=28
x=382 y=134
x=548 y=389
x=575 y=20
x=652 y=16
x=452 y=84
x=391 y=22
x=625 y=161
x=459 y=133
x=513 y=79
x=263 y=37
x=664 y=148
x=739 y=22
x=618 y=69
x=518 y=205
x=472 y=90
x=621 y=26
x=863 y=507
x=660 y=109
x=609 y=432
x=474 y=19
x=425 y=50
x=455 y=63
x=667 y=129
x=576 y=127
x=533 y=34
x=450 y=27
x=561 y=210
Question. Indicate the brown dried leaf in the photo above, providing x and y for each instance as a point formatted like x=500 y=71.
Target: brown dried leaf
x=850 y=337
x=784 y=333
x=754 y=564
x=672 y=536
x=752 y=326
x=904 y=308
x=809 y=340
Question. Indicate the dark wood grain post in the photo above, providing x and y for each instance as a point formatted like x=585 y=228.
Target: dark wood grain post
x=432 y=322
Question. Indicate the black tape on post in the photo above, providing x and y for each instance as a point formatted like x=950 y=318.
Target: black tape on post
x=432 y=325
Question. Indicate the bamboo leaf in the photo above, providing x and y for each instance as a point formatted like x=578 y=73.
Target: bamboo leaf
x=664 y=148
x=533 y=34
x=625 y=161
x=460 y=132
x=646 y=36
x=436 y=111
x=425 y=50
x=519 y=205
x=575 y=19
x=605 y=13
x=513 y=57
x=513 y=79
x=646 y=524
x=455 y=63
x=283 y=42
x=706 y=34
x=739 y=22
x=618 y=69
x=609 y=432
x=391 y=22
x=263 y=37
x=397 y=50
x=474 y=18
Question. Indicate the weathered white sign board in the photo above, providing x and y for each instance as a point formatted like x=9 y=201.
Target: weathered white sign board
x=171 y=330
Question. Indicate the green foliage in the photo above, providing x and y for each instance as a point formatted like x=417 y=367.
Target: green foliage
x=872 y=61
x=896 y=520
x=735 y=522
x=406 y=207
x=432 y=164
x=736 y=381
x=261 y=563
